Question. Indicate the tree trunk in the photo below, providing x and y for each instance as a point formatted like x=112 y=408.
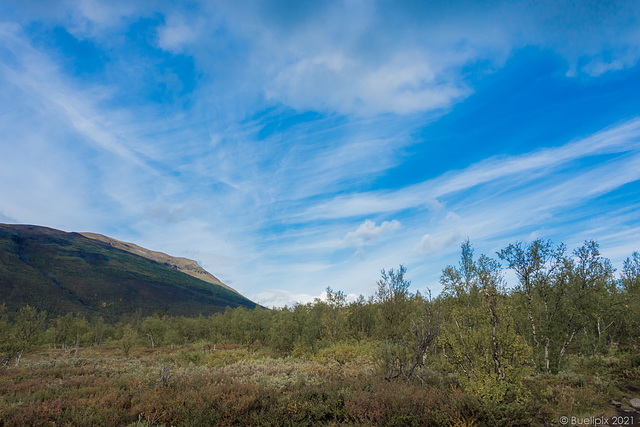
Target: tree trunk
x=547 y=363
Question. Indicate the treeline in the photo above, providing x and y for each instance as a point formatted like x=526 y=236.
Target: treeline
x=488 y=333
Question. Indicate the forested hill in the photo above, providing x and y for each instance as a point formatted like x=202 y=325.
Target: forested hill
x=64 y=272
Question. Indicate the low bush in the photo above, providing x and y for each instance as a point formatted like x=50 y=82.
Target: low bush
x=188 y=386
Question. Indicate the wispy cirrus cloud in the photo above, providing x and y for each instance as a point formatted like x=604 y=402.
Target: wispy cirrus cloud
x=40 y=81
x=622 y=138
x=267 y=140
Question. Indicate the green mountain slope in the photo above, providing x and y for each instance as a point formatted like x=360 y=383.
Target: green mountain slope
x=61 y=272
x=185 y=265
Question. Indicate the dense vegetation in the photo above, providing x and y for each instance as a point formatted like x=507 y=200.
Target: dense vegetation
x=61 y=272
x=563 y=341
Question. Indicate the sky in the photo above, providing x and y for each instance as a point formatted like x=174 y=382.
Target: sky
x=290 y=146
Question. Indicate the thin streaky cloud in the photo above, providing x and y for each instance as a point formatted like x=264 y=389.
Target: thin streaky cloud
x=618 y=139
x=39 y=79
x=288 y=147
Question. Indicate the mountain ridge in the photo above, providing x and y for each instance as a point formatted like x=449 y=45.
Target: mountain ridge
x=185 y=265
x=62 y=272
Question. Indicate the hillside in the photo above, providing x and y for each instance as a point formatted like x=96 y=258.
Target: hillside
x=185 y=265
x=92 y=274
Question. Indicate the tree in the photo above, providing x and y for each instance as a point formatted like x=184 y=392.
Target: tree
x=333 y=319
x=129 y=338
x=361 y=317
x=5 y=336
x=154 y=328
x=409 y=326
x=259 y=323
x=537 y=266
x=478 y=337
x=24 y=335
x=403 y=357
x=98 y=331
x=69 y=332
x=591 y=293
x=629 y=304
x=560 y=294
x=393 y=302
x=283 y=332
x=240 y=325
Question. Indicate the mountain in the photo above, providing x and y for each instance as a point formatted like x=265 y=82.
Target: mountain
x=185 y=265
x=91 y=274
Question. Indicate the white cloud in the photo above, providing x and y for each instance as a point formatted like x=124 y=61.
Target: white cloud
x=364 y=58
x=177 y=34
x=594 y=37
x=270 y=199
x=368 y=231
x=277 y=298
x=394 y=57
x=450 y=232
x=40 y=80
x=403 y=85
x=91 y=19
x=105 y=13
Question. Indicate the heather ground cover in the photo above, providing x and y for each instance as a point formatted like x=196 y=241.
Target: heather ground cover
x=196 y=386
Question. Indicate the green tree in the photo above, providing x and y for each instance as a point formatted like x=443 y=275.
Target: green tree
x=562 y=295
x=69 y=332
x=284 y=332
x=5 y=337
x=217 y=329
x=24 y=335
x=478 y=337
x=154 y=328
x=393 y=301
x=407 y=326
x=403 y=356
x=308 y=319
x=628 y=306
x=361 y=317
x=129 y=339
x=258 y=326
x=333 y=320
x=98 y=331
x=537 y=267
x=590 y=289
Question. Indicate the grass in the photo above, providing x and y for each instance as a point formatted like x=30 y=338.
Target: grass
x=190 y=386
x=225 y=387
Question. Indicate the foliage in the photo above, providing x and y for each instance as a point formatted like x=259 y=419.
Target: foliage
x=102 y=387
x=128 y=340
x=563 y=297
x=62 y=272
x=481 y=353
x=21 y=337
x=628 y=303
x=478 y=337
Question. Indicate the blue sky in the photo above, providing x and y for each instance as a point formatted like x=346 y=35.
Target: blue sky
x=288 y=146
